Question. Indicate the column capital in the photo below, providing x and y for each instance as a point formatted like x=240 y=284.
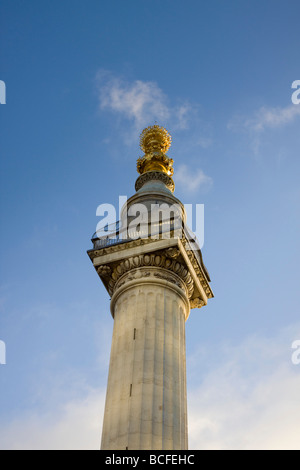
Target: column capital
x=169 y=257
x=155 y=277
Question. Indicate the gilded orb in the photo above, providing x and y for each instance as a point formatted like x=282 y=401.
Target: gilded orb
x=155 y=139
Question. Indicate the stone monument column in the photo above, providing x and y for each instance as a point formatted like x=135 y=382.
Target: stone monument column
x=146 y=392
x=154 y=278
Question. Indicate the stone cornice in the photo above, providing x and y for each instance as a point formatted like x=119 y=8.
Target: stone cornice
x=198 y=270
x=125 y=249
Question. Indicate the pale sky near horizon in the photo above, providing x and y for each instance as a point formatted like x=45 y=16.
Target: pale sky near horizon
x=82 y=81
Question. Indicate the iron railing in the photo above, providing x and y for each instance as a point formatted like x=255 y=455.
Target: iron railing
x=115 y=234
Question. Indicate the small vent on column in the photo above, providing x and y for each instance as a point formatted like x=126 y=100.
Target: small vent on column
x=130 y=391
x=134 y=333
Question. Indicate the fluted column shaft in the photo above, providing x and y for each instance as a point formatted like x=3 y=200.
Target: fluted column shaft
x=146 y=403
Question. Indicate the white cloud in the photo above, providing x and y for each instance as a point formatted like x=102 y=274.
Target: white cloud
x=141 y=102
x=76 y=425
x=191 y=179
x=273 y=117
x=266 y=118
x=248 y=400
x=182 y=115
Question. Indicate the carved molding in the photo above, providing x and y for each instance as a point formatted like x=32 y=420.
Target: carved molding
x=172 y=253
x=143 y=272
x=196 y=303
x=105 y=274
x=131 y=276
x=121 y=247
x=170 y=277
x=150 y=260
x=155 y=176
x=104 y=271
x=198 y=270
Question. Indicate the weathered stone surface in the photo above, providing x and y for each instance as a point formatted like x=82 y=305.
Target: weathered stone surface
x=146 y=393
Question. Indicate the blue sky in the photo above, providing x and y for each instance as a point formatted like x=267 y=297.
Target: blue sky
x=83 y=79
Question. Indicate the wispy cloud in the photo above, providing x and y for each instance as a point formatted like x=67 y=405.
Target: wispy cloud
x=138 y=101
x=192 y=180
x=263 y=120
x=141 y=102
x=266 y=118
x=273 y=117
x=182 y=115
